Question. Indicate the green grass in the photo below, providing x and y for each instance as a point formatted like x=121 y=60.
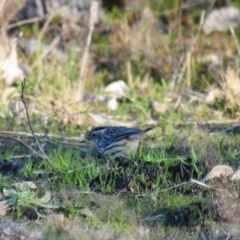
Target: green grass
x=68 y=183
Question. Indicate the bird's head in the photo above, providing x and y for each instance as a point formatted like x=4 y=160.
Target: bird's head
x=96 y=133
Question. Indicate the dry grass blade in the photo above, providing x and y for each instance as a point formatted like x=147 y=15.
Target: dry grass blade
x=235 y=39
x=185 y=59
x=228 y=91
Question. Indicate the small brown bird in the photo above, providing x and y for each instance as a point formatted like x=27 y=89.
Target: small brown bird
x=116 y=141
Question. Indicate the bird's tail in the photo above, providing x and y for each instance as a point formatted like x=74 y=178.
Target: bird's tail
x=150 y=128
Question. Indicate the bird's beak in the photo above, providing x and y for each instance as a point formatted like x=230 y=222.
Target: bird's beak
x=86 y=139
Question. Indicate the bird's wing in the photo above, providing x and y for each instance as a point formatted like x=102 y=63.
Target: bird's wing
x=116 y=134
x=110 y=135
x=129 y=133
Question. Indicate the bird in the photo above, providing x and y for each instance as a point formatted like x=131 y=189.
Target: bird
x=117 y=141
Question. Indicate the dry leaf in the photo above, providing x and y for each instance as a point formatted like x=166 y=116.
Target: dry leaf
x=217 y=171
x=3 y=208
x=24 y=186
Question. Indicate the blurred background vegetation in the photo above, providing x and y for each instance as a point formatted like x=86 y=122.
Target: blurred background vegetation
x=178 y=62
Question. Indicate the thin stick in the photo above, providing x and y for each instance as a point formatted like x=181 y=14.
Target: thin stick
x=25 y=145
x=188 y=69
x=30 y=125
x=26 y=134
x=92 y=21
x=33 y=20
x=54 y=43
x=25 y=22
x=25 y=106
x=40 y=7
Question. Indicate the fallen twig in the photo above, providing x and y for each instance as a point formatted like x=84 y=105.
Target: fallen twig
x=201 y=184
x=27 y=134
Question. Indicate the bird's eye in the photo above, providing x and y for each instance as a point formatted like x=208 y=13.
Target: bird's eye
x=93 y=134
